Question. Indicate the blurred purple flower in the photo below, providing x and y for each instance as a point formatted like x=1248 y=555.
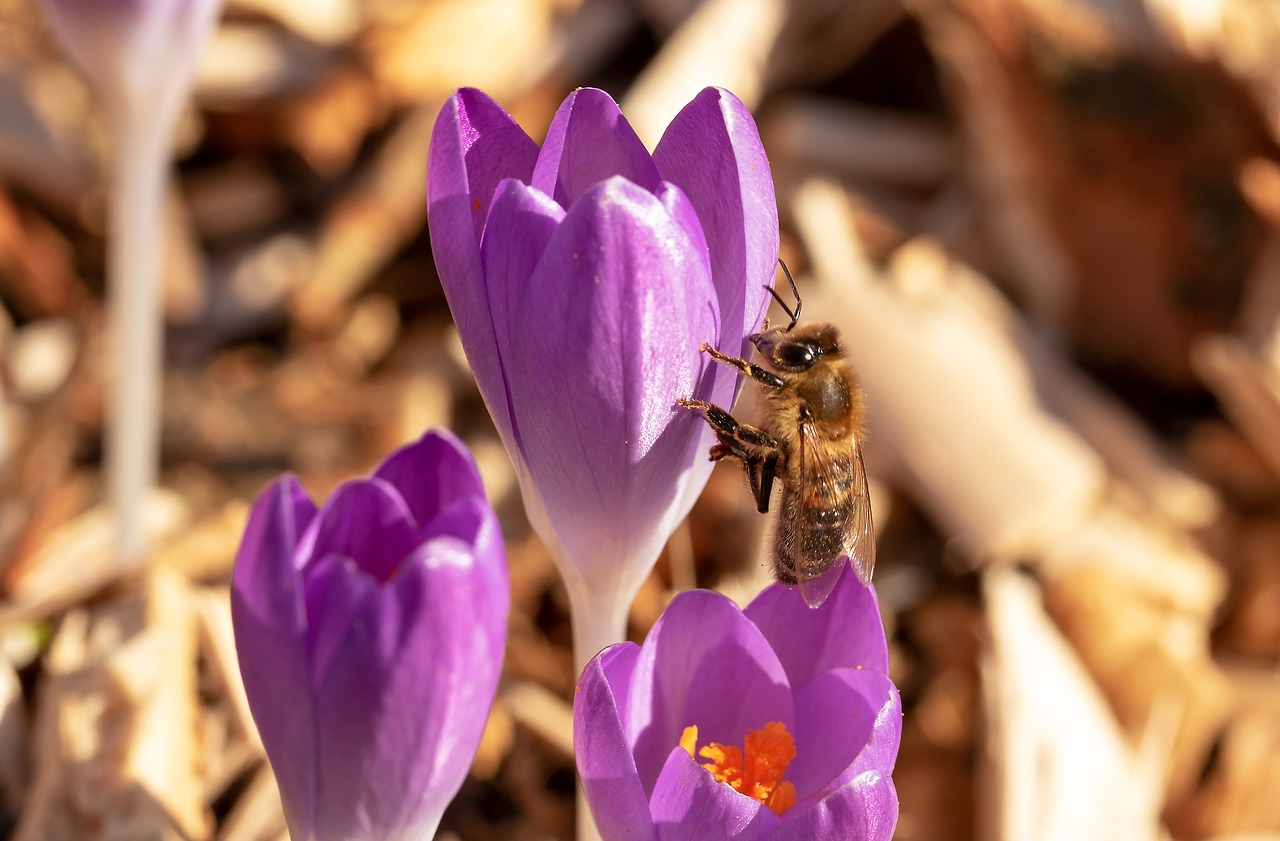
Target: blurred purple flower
x=728 y=672
x=583 y=276
x=134 y=52
x=370 y=634
x=140 y=58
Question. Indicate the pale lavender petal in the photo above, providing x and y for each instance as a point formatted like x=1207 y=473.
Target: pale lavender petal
x=430 y=474
x=402 y=705
x=589 y=141
x=846 y=722
x=270 y=624
x=606 y=342
x=367 y=521
x=712 y=150
x=703 y=664
x=474 y=146
x=689 y=805
x=846 y=632
x=605 y=765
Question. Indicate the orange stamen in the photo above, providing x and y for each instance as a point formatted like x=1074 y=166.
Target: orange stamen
x=756 y=769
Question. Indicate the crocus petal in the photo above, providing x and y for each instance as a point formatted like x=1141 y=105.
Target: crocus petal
x=368 y=522
x=712 y=150
x=471 y=521
x=589 y=141
x=605 y=764
x=269 y=620
x=703 y=664
x=688 y=804
x=387 y=767
x=864 y=809
x=520 y=226
x=431 y=473
x=337 y=589
x=474 y=146
x=847 y=634
x=606 y=343
x=846 y=721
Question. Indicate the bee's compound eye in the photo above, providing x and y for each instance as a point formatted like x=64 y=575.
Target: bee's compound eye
x=797 y=355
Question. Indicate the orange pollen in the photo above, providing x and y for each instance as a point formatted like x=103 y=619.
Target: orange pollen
x=756 y=769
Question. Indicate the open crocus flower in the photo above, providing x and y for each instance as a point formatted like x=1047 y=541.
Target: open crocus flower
x=583 y=276
x=776 y=722
x=370 y=634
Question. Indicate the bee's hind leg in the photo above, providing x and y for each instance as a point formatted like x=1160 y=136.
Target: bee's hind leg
x=760 y=475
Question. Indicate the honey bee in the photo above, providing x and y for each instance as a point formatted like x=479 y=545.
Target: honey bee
x=811 y=442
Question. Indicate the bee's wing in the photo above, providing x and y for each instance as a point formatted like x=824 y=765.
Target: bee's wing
x=823 y=476
x=861 y=537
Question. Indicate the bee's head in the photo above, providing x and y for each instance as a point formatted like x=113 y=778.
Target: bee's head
x=797 y=348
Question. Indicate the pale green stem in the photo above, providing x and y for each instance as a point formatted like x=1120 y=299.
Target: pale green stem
x=140 y=169
x=598 y=620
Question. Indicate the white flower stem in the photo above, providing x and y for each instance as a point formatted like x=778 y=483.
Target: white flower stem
x=598 y=619
x=140 y=168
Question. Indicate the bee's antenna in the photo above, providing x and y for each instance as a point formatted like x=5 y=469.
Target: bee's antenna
x=794 y=316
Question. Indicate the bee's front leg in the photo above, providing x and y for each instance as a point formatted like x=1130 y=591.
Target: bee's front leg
x=753 y=371
x=756 y=449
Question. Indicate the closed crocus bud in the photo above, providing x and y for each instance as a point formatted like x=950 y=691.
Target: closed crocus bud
x=139 y=56
x=776 y=722
x=370 y=635
x=135 y=53
x=583 y=277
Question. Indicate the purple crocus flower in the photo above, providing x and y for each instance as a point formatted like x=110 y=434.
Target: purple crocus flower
x=370 y=634
x=134 y=51
x=583 y=277
x=139 y=56
x=806 y=690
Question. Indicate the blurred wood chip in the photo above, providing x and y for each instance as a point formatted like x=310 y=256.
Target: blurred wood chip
x=1060 y=768
x=116 y=748
x=78 y=559
x=1109 y=161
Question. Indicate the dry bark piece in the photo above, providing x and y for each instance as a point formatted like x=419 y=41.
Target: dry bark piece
x=1059 y=765
x=369 y=224
x=722 y=42
x=257 y=814
x=36 y=273
x=543 y=712
x=245 y=62
x=327 y=22
x=1108 y=159
x=423 y=54
x=116 y=749
x=207 y=550
x=77 y=560
x=1235 y=798
x=858 y=142
x=13 y=740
